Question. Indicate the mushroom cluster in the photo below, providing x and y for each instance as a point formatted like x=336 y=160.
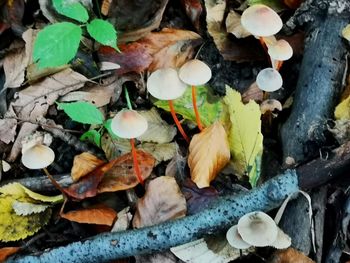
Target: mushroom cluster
x=170 y=84
x=263 y=22
x=259 y=230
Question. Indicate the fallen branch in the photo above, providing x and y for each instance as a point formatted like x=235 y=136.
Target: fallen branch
x=110 y=246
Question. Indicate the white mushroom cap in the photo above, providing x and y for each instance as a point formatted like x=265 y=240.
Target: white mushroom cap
x=235 y=239
x=260 y=20
x=257 y=229
x=164 y=84
x=269 y=79
x=38 y=157
x=129 y=124
x=281 y=50
x=195 y=72
x=283 y=240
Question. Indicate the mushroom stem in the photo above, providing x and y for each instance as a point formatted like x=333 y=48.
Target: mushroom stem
x=136 y=164
x=263 y=44
x=194 y=102
x=176 y=120
x=278 y=64
x=53 y=181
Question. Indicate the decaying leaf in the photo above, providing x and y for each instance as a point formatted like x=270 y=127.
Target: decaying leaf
x=209 y=153
x=8 y=130
x=208 y=111
x=161 y=152
x=121 y=176
x=100 y=215
x=163 y=201
x=342 y=111
x=289 y=255
x=341 y=131
x=246 y=140
x=158 y=130
x=270 y=105
x=15 y=227
x=123 y=220
x=5 y=252
x=83 y=164
x=234 y=26
x=212 y=249
x=193 y=10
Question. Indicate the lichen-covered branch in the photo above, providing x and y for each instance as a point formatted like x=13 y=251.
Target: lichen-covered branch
x=222 y=215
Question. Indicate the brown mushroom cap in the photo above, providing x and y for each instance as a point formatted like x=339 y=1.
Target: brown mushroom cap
x=129 y=124
x=235 y=239
x=280 y=50
x=260 y=20
x=38 y=157
x=164 y=84
x=257 y=229
x=269 y=79
x=195 y=72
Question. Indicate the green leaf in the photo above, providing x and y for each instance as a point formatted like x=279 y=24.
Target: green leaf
x=74 y=10
x=274 y=4
x=56 y=44
x=245 y=138
x=103 y=32
x=92 y=136
x=82 y=112
x=209 y=112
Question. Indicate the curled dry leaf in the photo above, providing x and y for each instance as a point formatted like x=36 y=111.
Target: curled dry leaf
x=163 y=201
x=234 y=26
x=209 y=153
x=5 y=252
x=121 y=176
x=83 y=164
x=100 y=215
x=289 y=255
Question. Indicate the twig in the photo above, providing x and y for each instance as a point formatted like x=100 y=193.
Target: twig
x=110 y=246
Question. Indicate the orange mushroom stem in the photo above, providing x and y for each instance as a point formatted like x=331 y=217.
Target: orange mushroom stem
x=136 y=163
x=195 y=108
x=176 y=120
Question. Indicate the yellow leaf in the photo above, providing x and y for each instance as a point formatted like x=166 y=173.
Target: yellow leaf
x=209 y=153
x=15 y=227
x=346 y=32
x=342 y=111
x=245 y=138
x=16 y=189
x=83 y=164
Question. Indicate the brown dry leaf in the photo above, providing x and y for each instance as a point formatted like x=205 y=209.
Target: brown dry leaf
x=8 y=130
x=167 y=48
x=293 y=4
x=122 y=176
x=289 y=255
x=34 y=101
x=253 y=93
x=234 y=26
x=83 y=164
x=209 y=152
x=5 y=252
x=100 y=215
x=163 y=201
x=193 y=10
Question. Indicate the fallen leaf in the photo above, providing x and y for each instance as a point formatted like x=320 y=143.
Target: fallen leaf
x=123 y=220
x=161 y=152
x=26 y=208
x=209 y=111
x=166 y=48
x=209 y=152
x=289 y=255
x=158 y=130
x=341 y=131
x=5 y=252
x=270 y=105
x=162 y=201
x=121 y=176
x=245 y=138
x=83 y=164
x=5 y=166
x=212 y=249
x=342 y=110
x=101 y=215
x=177 y=167
x=193 y=9
x=234 y=26
x=8 y=130
x=253 y=93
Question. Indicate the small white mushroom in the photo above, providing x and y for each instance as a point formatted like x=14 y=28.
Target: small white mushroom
x=5 y=166
x=269 y=79
x=164 y=84
x=235 y=239
x=260 y=20
x=38 y=157
x=195 y=72
x=129 y=124
x=283 y=240
x=281 y=50
x=257 y=229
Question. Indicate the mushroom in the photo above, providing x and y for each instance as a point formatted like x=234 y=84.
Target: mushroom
x=164 y=84
x=279 y=51
x=235 y=239
x=269 y=79
x=261 y=21
x=129 y=124
x=257 y=229
x=282 y=241
x=195 y=72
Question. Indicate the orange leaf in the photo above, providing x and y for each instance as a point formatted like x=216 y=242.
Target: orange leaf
x=101 y=215
x=122 y=174
x=209 y=153
x=84 y=164
x=290 y=255
x=5 y=252
x=163 y=201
